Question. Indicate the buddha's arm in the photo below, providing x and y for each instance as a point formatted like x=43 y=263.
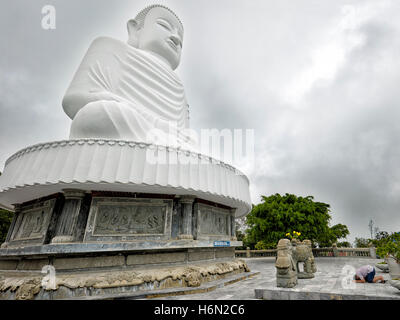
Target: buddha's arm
x=96 y=77
x=74 y=101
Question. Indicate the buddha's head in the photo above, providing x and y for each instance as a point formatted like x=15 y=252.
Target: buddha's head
x=157 y=29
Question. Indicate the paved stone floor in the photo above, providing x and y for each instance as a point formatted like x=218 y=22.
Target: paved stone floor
x=331 y=278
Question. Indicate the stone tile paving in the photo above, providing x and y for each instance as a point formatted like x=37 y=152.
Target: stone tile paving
x=329 y=283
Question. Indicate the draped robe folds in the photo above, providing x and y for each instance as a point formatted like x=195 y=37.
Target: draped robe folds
x=123 y=93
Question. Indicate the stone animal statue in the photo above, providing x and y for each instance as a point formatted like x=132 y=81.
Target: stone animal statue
x=286 y=272
x=289 y=255
x=302 y=253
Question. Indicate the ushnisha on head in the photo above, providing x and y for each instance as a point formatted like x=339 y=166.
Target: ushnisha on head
x=157 y=29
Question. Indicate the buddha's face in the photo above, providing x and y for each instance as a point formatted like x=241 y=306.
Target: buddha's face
x=162 y=34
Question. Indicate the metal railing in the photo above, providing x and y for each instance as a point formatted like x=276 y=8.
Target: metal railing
x=317 y=252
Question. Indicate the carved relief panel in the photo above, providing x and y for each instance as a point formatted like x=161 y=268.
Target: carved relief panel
x=212 y=222
x=32 y=223
x=119 y=219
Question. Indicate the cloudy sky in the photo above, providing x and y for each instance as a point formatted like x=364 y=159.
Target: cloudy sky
x=317 y=81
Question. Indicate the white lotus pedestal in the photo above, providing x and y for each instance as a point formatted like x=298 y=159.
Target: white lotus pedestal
x=155 y=216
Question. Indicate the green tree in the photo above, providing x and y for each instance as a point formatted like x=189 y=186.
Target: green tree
x=277 y=215
x=381 y=235
x=5 y=221
x=362 y=242
x=386 y=243
x=333 y=233
x=340 y=231
x=344 y=244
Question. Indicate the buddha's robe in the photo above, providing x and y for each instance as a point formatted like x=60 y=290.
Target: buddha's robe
x=123 y=93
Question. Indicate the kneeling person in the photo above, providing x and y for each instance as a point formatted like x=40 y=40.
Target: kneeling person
x=367 y=274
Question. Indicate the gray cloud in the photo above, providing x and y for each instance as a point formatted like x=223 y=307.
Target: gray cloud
x=337 y=140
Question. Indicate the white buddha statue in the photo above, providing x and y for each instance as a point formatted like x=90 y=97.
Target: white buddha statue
x=124 y=91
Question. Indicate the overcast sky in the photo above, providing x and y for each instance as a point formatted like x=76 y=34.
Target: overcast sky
x=318 y=81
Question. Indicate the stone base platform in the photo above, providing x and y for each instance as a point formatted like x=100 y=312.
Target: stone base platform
x=28 y=285
x=88 y=242
x=268 y=294
x=78 y=216
x=73 y=270
x=332 y=281
x=111 y=256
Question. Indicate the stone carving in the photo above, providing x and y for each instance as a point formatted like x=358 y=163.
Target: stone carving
x=32 y=223
x=212 y=221
x=302 y=253
x=382 y=266
x=31 y=226
x=130 y=219
x=289 y=256
x=286 y=272
x=75 y=284
x=395 y=283
x=127 y=219
x=129 y=91
x=394 y=267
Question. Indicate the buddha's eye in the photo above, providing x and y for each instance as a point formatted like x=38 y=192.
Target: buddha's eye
x=164 y=24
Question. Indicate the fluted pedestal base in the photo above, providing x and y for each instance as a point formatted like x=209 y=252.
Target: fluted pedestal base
x=106 y=206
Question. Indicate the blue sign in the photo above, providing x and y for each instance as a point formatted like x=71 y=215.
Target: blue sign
x=222 y=243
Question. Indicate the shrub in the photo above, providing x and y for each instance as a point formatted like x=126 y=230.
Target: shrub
x=390 y=246
x=262 y=245
x=5 y=221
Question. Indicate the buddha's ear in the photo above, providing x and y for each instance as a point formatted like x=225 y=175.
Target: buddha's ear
x=133 y=32
x=132 y=26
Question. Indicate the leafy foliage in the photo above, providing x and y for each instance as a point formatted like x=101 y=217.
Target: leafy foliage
x=339 y=231
x=5 y=221
x=278 y=215
x=385 y=244
x=388 y=244
x=344 y=244
x=381 y=235
x=263 y=245
x=240 y=237
x=362 y=242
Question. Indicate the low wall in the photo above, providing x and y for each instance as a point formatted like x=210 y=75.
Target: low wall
x=318 y=252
